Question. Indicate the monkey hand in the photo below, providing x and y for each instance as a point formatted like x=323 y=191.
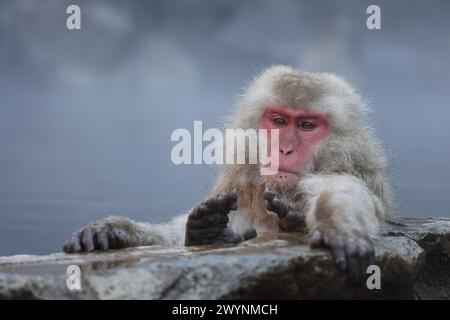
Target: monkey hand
x=351 y=250
x=109 y=233
x=208 y=222
x=289 y=215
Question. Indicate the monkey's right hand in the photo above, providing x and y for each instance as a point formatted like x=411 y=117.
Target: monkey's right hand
x=289 y=215
x=208 y=222
x=109 y=233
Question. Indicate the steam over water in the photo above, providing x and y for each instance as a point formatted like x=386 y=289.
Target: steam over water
x=86 y=116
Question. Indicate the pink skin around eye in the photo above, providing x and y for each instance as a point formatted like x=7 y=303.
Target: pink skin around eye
x=296 y=142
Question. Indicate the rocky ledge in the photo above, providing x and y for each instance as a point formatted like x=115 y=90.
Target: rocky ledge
x=413 y=255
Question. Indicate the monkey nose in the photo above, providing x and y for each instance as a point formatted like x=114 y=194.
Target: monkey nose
x=286 y=150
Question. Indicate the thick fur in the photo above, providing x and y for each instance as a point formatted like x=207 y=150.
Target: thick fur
x=345 y=188
x=350 y=150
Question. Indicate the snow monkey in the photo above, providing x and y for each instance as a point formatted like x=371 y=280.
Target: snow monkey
x=332 y=181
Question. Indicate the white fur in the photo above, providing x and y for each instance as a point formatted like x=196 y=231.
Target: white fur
x=348 y=172
x=170 y=233
x=355 y=207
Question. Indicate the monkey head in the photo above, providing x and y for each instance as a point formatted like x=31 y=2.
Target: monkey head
x=321 y=122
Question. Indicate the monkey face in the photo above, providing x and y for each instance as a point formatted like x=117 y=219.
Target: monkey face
x=299 y=131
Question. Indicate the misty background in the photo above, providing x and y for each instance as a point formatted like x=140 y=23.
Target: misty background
x=86 y=116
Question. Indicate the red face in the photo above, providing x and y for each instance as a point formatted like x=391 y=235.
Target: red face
x=299 y=131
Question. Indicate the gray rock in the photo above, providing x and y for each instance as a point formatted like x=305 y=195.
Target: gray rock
x=413 y=256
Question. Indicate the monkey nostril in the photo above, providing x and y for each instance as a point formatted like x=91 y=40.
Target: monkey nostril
x=286 y=153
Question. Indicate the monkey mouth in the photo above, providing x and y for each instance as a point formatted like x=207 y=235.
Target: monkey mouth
x=283 y=170
x=285 y=178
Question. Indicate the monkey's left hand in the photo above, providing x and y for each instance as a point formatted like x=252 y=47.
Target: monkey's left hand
x=290 y=217
x=208 y=222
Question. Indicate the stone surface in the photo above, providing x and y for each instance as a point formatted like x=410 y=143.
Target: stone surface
x=413 y=256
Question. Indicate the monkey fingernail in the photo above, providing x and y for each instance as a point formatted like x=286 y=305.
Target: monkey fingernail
x=316 y=239
x=268 y=194
x=341 y=263
x=67 y=248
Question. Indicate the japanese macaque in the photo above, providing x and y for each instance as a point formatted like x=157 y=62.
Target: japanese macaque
x=332 y=180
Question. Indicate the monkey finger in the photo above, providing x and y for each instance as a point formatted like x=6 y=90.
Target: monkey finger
x=233 y=205
x=215 y=201
x=268 y=194
x=102 y=238
x=367 y=255
x=87 y=239
x=195 y=237
x=67 y=247
x=276 y=203
x=280 y=206
x=354 y=264
x=73 y=244
x=228 y=236
x=316 y=240
x=269 y=206
x=121 y=237
x=230 y=203
x=220 y=204
x=231 y=195
x=339 y=256
x=354 y=270
x=76 y=243
x=112 y=241
x=337 y=245
x=334 y=242
x=213 y=205
x=199 y=211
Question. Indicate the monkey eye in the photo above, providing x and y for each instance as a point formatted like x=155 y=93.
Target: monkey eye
x=307 y=125
x=279 y=121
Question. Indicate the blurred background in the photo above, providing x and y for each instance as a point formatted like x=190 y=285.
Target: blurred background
x=86 y=116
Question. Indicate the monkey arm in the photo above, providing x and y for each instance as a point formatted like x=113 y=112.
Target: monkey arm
x=169 y=234
x=119 y=232
x=343 y=215
x=207 y=223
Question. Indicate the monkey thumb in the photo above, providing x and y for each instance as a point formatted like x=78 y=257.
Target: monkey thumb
x=249 y=234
